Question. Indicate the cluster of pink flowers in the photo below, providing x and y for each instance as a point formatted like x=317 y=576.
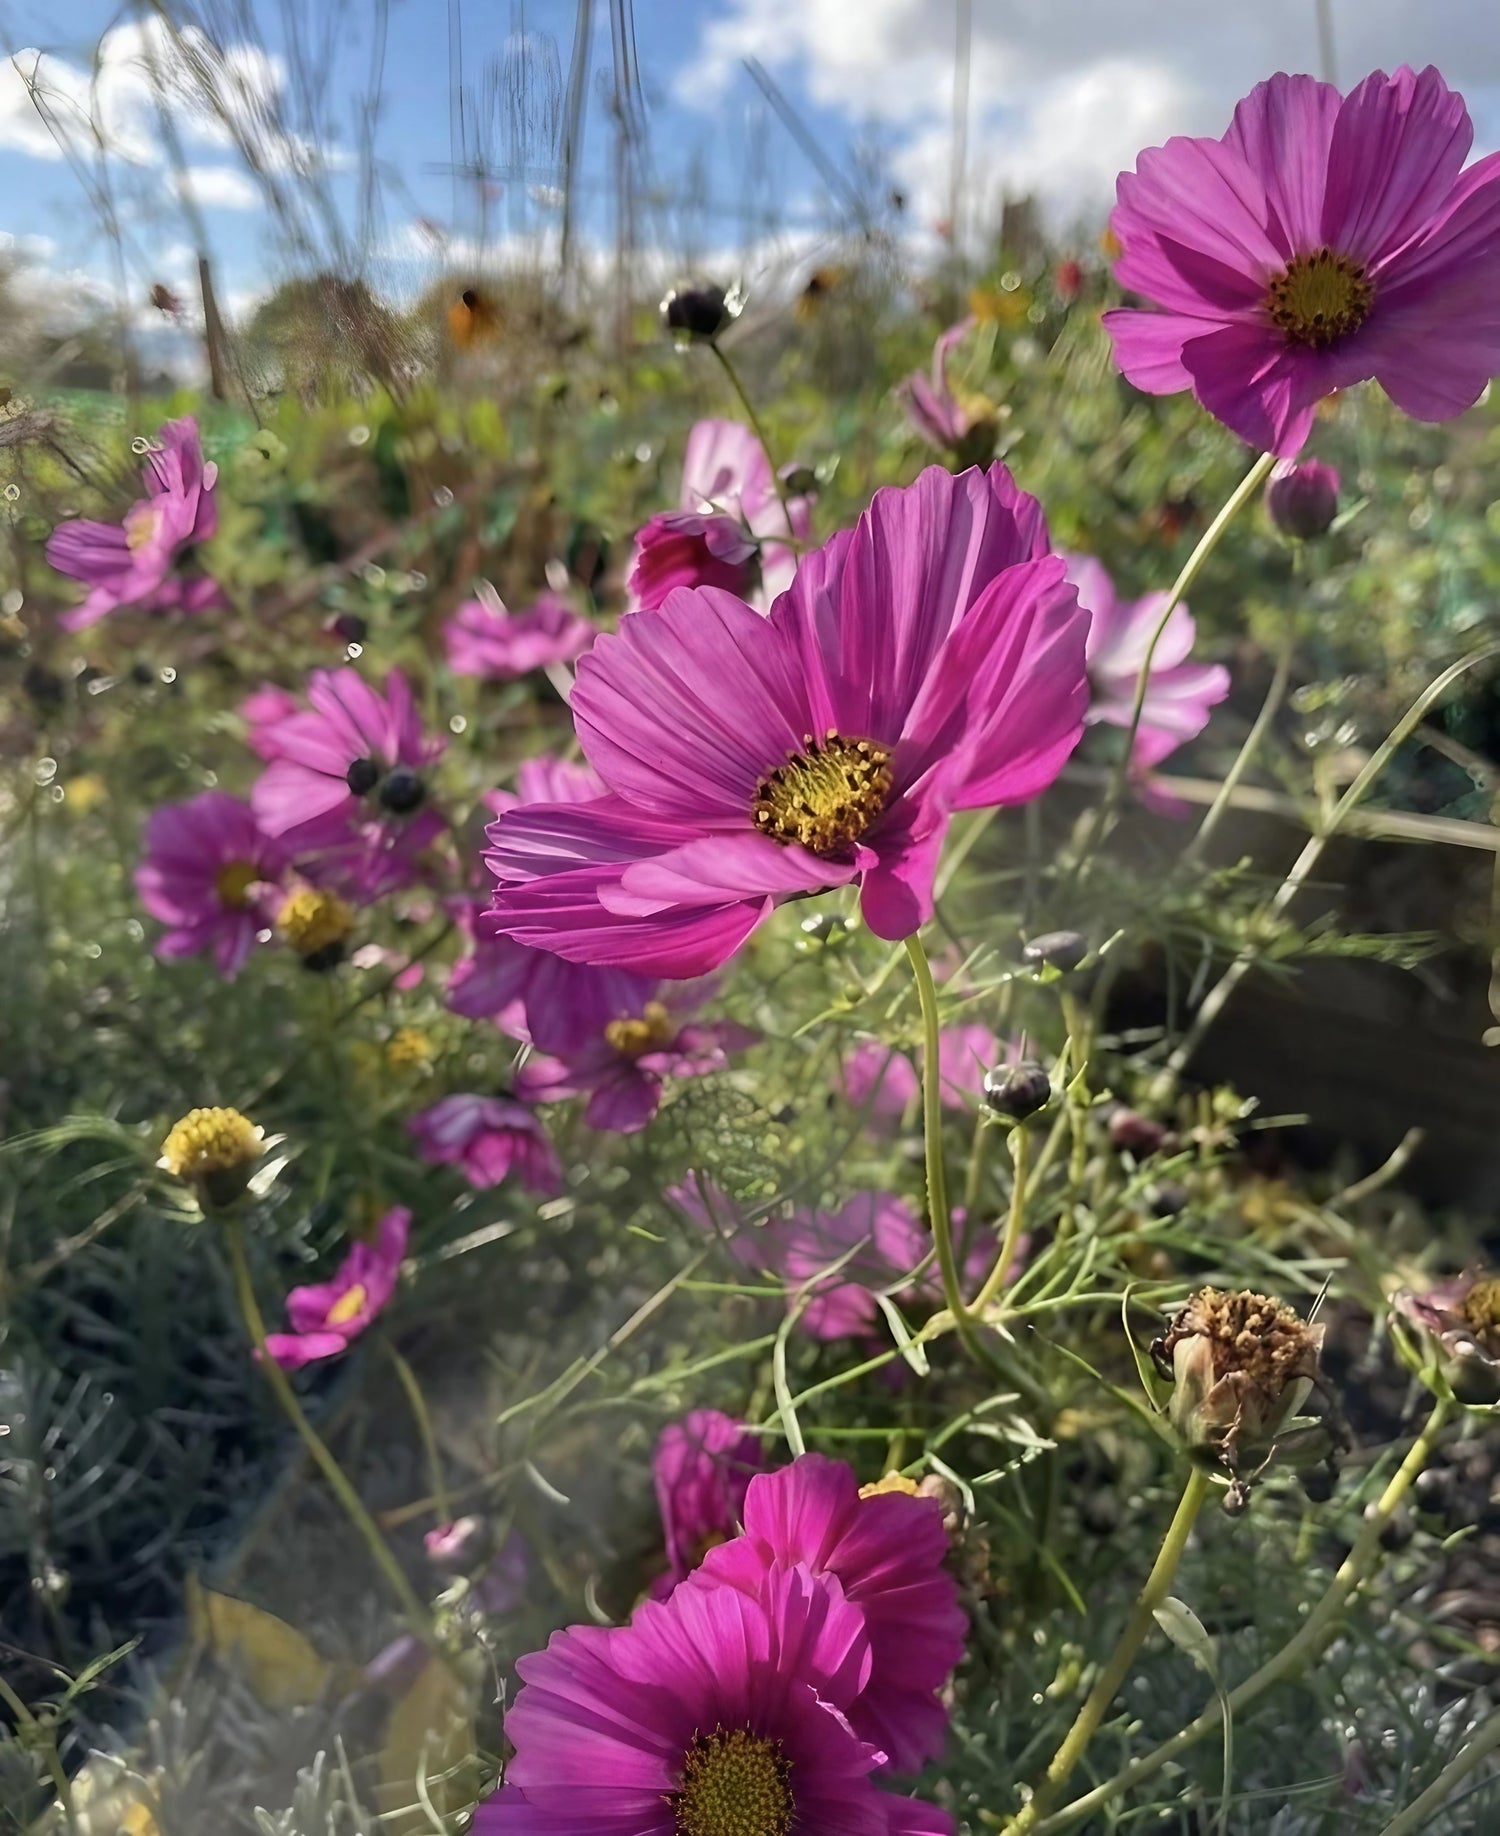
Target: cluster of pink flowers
x=795 y=1669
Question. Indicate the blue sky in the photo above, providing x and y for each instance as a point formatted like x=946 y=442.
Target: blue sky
x=1063 y=93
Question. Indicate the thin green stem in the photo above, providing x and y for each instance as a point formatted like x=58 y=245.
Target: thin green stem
x=423 y=1419
x=1207 y=543
x=1483 y=1741
x=1020 y=1150
x=1246 y=756
x=932 y=1125
x=43 y=1740
x=1305 y=1645
x=1107 y=1684
x=760 y=433
x=1302 y=868
x=338 y=1481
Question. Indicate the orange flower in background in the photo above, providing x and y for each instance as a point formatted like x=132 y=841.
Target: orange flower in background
x=820 y=283
x=473 y=318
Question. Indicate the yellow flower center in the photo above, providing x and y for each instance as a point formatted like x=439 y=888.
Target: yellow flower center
x=350 y=1302
x=825 y=796
x=233 y=883
x=408 y=1049
x=141 y=526
x=892 y=1482
x=1480 y=1308
x=208 y=1141
x=1320 y=298
x=654 y=1031
x=312 y=920
x=734 y=1784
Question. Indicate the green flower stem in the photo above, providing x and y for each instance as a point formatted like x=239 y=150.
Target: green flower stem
x=1416 y=1816
x=1246 y=755
x=1301 y=1649
x=1207 y=543
x=41 y=1739
x=423 y=1419
x=932 y=1124
x=1306 y=862
x=1020 y=1150
x=329 y=1467
x=1107 y=1684
x=760 y=433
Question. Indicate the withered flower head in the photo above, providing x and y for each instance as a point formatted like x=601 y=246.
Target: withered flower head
x=1242 y=1365
x=1462 y=1317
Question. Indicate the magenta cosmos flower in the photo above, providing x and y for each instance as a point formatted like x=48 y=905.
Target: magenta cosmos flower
x=1323 y=241
x=210 y=875
x=346 y=788
x=560 y=1007
x=725 y=533
x=929 y=660
x=147 y=562
x=263 y=710
x=1179 y=695
x=486 y=640
x=488 y=1139
x=701 y=1468
x=327 y=1315
x=623 y=1069
x=883 y=1081
x=888 y=1551
x=719 y=1710
x=960 y=424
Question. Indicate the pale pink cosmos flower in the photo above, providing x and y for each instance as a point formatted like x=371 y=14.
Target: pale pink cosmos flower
x=327 y=1315
x=488 y=1139
x=884 y=1082
x=489 y=641
x=211 y=876
x=1322 y=241
x=959 y=424
x=148 y=562
x=1180 y=695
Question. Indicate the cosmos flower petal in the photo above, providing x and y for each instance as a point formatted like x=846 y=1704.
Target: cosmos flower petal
x=1396 y=151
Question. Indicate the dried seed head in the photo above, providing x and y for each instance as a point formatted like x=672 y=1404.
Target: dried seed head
x=1242 y=1365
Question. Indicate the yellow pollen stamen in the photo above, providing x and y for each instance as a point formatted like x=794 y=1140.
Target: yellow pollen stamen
x=734 y=1784
x=233 y=883
x=213 y=1150
x=1480 y=1309
x=350 y=1302
x=892 y=1482
x=1320 y=298
x=141 y=526
x=825 y=796
x=654 y=1031
x=312 y=920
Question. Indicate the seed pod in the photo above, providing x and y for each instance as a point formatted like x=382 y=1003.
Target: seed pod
x=1060 y=950
x=700 y=312
x=1017 y=1091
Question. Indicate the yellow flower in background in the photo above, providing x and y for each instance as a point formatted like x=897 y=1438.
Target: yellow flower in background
x=213 y=1150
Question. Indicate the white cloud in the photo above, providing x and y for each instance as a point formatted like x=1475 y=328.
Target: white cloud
x=217 y=188
x=1065 y=95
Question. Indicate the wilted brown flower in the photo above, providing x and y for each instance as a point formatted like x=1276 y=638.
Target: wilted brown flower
x=1462 y=1317
x=1242 y=1365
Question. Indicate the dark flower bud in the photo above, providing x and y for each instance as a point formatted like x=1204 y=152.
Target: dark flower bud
x=362 y=776
x=1236 y=1499
x=1434 y=1488
x=402 y=792
x=142 y=674
x=800 y=481
x=349 y=626
x=1060 y=950
x=1303 y=497
x=1131 y=1132
x=697 y=312
x=1318 y=1483
x=1017 y=1091
x=1398 y=1532
x=43 y=686
x=1168 y=1198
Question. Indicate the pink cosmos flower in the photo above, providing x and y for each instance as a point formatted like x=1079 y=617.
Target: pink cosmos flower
x=1179 y=694
x=624 y=1068
x=883 y=1082
x=488 y=1139
x=147 y=562
x=929 y=660
x=725 y=533
x=1322 y=241
x=560 y=1007
x=327 y=1315
x=207 y=875
x=701 y=1468
x=263 y=711
x=938 y=414
x=488 y=641
x=888 y=1553
x=702 y=1699
x=345 y=789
